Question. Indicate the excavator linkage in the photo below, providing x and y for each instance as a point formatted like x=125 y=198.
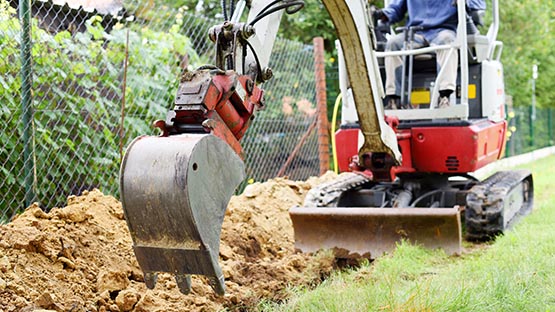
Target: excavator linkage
x=174 y=192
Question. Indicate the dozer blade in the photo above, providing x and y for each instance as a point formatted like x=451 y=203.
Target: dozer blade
x=174 y=192
x=371 y=232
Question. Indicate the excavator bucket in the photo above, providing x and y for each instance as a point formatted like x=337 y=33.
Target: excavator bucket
x=354 y=232
x=174 y=192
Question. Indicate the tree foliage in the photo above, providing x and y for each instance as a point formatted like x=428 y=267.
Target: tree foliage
x=527 y=31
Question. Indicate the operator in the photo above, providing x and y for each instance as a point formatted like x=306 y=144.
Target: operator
x=435 y=22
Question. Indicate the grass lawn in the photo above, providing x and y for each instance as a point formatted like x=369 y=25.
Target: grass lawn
x=514 y=273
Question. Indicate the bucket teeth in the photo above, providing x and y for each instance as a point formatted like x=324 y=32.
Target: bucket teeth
x=183 y=283
x=218 y=285
x=150 y=279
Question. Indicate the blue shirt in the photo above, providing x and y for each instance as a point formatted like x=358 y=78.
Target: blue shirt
x=432 y=15
x=476 y=4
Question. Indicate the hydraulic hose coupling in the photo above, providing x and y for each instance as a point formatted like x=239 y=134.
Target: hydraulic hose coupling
x=230 y=30
x=248 y=31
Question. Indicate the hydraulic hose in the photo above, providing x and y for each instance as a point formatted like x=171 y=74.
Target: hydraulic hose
x=333 y=123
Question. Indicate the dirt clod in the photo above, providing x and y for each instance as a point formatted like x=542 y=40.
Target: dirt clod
x=127 y=299
x=80 y=257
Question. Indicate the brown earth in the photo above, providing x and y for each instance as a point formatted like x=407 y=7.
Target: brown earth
x=80 y=258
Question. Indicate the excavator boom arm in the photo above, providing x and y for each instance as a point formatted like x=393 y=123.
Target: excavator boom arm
x=353 y=23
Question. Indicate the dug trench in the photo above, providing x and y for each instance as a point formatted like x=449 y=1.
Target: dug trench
x=80 y=257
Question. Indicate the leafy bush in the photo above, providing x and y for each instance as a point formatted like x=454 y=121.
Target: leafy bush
x=77 y=98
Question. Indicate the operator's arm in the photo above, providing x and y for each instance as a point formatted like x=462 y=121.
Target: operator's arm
x=476 y=9
x=395 y=11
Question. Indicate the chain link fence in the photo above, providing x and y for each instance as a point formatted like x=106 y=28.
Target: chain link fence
x=62 y=98
x=530 y=130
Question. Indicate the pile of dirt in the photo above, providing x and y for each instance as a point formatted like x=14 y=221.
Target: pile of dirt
x=80 y=258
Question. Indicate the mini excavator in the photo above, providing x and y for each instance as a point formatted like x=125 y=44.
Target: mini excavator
x=407 y=172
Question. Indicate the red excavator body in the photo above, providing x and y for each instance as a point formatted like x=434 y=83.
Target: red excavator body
x=463 y=149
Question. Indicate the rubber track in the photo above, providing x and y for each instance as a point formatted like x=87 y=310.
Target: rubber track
x=485 y=203
x=327 y=194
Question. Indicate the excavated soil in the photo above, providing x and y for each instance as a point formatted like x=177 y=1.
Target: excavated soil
x=80 y=258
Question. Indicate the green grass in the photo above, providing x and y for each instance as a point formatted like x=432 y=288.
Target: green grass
x=514 y=273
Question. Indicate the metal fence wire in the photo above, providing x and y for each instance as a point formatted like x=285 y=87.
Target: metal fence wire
x=61 y=97
x=529 y=129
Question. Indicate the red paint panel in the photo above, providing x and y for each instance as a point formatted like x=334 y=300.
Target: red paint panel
x=457 y=149
x=436 y=149
x=346 y=143
x=404 y=139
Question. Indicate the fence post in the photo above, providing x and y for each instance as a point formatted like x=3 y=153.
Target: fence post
x=322 y=106
x=27 y=102
x=531 y=119
x=550 y=131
